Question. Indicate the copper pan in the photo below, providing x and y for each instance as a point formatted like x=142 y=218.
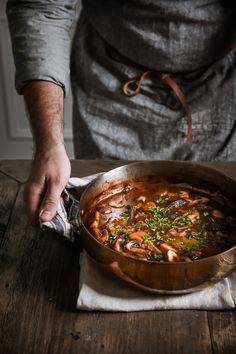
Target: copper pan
x=163 y=278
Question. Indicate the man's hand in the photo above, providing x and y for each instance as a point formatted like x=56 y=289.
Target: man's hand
x=50 y=169
x=49 y=175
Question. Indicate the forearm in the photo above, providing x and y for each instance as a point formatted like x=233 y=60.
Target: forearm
x=44 y=101
x=50 y=168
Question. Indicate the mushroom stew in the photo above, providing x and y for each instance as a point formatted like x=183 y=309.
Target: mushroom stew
x=159 y=221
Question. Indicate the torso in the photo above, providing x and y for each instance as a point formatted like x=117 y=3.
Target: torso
x=165 y=35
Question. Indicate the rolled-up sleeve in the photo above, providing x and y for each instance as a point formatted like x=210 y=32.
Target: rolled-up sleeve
x=40 y=33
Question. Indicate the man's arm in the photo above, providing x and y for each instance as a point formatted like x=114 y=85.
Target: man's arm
x=50 y=169
x=40 y=33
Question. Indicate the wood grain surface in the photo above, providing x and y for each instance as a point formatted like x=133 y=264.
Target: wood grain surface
x=39 y=287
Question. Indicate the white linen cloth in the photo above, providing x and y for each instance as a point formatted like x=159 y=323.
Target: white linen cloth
x=98 y=291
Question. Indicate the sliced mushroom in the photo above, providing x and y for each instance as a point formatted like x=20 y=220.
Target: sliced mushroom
x=184 y=194
x=164 y=193
x=117 y=245
x=105 y=209
x=117 y=188
x=104 y=236
x=193 y=216
x=129 y=229
x=172 y=256
x=141 y=198
x=113 y=190
x=198 y=200
x=196 y=252
x=149 y=205
x=178 y=232
x=103 y=220
x=117 y=201
x=135 y=247
x=138 y=235
x=94 y=224
x=97 y=215
x=152 y=247
x=165 y=247
x=217 y=214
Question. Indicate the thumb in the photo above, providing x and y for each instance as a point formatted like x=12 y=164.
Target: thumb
x=50 y=202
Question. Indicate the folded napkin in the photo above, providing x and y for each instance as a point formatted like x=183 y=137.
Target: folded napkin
x=66 y=220
x=99 y=291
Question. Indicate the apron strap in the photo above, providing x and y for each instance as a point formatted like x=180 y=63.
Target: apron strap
x=133 y=88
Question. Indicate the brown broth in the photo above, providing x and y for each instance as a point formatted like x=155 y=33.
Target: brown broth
x=159 y=221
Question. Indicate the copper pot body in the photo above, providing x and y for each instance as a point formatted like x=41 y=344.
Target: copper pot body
x=163 y=278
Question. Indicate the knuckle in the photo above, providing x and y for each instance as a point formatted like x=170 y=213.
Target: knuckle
x=50 y=203
x=55 y=188
x=55 y=180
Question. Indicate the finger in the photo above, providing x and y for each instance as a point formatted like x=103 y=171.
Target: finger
x=33 y=196
x=50 y=202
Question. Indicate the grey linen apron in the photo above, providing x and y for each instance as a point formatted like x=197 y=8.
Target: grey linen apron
x=185 y=38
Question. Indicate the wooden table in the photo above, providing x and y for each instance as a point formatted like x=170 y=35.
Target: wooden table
x=39 y=286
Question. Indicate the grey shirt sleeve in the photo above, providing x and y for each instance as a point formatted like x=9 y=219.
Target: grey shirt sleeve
x=40 y=33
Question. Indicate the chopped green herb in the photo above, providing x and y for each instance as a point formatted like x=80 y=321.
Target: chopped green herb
x=113 y=237
x=170 y=238
x=192 y=248
x=158 y=236
x=190 y=235
x=162 y=200
x=161 y=257
x=113 y=234
x=158 y=209
x=123 y=241
x=183 y=221
x=148 y=237
x=112 y=241
x=124 y=216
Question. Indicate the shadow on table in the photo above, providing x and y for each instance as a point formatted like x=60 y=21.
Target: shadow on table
x=60 y=275
x=42 y=270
